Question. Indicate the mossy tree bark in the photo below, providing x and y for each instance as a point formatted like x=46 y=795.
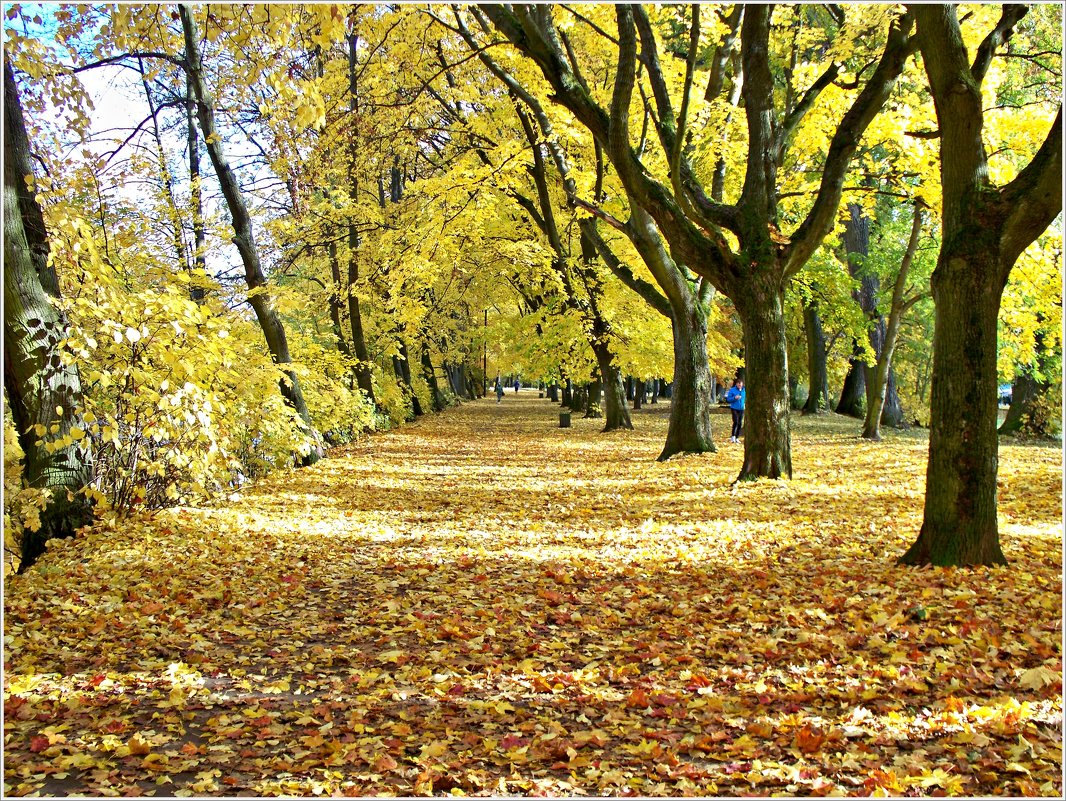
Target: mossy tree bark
x=985 y=229
x=41 y=389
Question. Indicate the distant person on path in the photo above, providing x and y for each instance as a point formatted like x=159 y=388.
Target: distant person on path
x=517 y=386
x=736 y=397
x=499 y=390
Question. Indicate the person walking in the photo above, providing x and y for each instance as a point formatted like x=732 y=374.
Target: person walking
x=499 y=390
x=736 y=397
x=517 y=386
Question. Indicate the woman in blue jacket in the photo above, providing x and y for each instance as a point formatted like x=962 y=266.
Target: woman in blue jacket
x=736 y=396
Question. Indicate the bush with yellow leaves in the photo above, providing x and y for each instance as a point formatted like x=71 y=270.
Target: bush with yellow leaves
x=22 y=505
x=180 y=399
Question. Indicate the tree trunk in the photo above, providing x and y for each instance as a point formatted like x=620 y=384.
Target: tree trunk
x=615 y=411
x=853 y=394
x=878 y=382
x=960 y=526
x=893 y=414
x=655 y=390
x=1024 y=391
x=690 y=389
x=405 y=376
x=856 y=241
x=335 y=300
x=690 y=395
x=985 y=229
x=638 y=393
x=363 y=373
x=818 y=396
x=568 y=394
x=259 y=296
x=795 y=400
x=197 y=293
x=767 y=448
x=41 y=389
x=430 y=376
x=595 y=389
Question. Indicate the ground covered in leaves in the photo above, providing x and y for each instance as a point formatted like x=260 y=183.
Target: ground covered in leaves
x=483 y=603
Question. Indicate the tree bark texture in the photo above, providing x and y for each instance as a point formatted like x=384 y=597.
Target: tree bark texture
x=691 y=400
x=767 y=442
x=36 y=381
x=984 y=230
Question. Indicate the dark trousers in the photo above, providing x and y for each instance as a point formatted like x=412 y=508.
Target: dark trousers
x=738 y=421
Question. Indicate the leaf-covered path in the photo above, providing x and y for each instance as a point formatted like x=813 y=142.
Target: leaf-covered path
x=484 y=603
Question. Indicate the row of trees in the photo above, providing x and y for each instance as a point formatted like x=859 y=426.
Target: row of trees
x=623 y=190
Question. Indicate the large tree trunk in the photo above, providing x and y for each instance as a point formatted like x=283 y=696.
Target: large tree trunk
x=767 y=446
x=259 y=296
x=818 y=396
x=985 y=229
x=615 y=411
x=960 y=526
x=691 y=400
x=41 y=389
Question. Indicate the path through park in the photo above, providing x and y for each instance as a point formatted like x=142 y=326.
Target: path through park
x=484 y=603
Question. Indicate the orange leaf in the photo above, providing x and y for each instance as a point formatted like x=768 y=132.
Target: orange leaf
x=809 y=740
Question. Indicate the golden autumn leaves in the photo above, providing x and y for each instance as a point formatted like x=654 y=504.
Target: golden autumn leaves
x=483 y=603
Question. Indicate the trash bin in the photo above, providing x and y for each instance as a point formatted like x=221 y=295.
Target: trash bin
x=540 y=394
x=564 y=419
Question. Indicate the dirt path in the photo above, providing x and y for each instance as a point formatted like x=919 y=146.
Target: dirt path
x=485 y=603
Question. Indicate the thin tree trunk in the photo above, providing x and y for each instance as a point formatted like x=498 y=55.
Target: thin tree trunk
x=638 y=393
x=165 y=178
x=42 y=391
x=197 y=293
x=259 y=296
x=335 y=305
x=405 y=370
x=877 y=384
x=363 y=373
